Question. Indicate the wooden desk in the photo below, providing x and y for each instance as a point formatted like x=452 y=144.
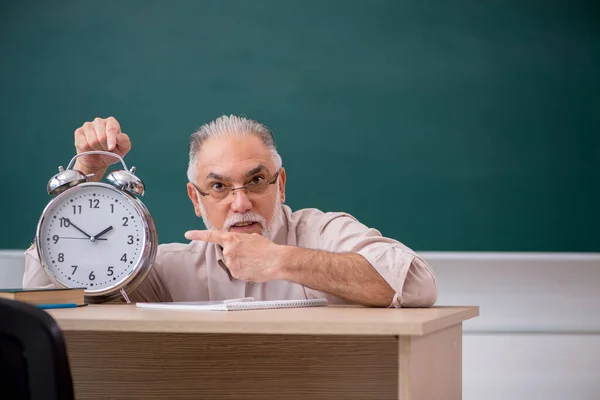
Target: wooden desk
x=123 y=352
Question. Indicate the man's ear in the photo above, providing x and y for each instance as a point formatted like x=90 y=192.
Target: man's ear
x=282 y=184
x=194 y=197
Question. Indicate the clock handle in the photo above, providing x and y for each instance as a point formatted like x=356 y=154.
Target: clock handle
x=106 y=153
x=123 y=179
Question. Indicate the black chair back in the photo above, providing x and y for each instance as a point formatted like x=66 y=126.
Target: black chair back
x=33 y=356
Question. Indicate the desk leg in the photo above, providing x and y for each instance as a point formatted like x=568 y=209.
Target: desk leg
x=430 y=366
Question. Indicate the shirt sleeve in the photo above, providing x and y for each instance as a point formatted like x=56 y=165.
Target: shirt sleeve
x=411 y=277
x=34 y=275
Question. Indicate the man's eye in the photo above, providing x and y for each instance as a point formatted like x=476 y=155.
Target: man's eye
x=217 y=186
x=257 y=180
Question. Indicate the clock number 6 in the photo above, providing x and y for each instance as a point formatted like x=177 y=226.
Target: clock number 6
x=92 y=276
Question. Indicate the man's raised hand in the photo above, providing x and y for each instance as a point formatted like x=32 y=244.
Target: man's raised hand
x=100 y=134
x=249 y=257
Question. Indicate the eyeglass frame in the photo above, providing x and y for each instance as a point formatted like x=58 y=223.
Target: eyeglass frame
x=233 y=190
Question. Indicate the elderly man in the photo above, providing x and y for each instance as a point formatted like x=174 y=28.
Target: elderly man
x=255 y=245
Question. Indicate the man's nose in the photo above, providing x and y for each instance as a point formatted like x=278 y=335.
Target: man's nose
x=240 y=203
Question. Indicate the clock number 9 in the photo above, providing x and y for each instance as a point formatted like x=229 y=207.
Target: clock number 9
x=55 y=238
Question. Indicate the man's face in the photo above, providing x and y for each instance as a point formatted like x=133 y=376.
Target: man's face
x=231 y=162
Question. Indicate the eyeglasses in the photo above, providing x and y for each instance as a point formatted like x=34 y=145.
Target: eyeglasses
x=257 y=185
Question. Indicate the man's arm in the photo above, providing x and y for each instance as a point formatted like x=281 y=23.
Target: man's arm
x=346 y=275
x=411 y=278
x=35 y=276
x=355 y=263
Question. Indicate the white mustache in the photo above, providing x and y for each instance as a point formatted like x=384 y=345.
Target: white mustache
x=245 y=217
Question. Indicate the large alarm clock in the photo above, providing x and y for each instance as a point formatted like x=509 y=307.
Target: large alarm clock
x=96 y=235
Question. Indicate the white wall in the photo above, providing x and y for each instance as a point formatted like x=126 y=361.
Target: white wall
x=538 y=335
x=11 y=268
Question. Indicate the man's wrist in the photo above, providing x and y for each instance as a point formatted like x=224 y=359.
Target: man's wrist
x=284 y=266
x=290 y=260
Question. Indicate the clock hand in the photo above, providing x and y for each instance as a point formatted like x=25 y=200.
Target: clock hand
x=101 y=233
x=68 y=237
x=67 y=220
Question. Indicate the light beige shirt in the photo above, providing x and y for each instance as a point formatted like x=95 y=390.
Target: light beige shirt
x=196 y=271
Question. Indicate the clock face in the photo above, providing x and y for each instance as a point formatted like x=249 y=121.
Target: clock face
x=92 y=236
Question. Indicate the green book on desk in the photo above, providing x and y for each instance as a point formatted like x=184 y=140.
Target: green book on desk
x=46 y=298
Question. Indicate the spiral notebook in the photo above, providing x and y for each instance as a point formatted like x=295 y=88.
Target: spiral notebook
x=247 y=303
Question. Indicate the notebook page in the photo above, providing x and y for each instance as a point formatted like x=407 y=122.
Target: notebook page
x=186 y=305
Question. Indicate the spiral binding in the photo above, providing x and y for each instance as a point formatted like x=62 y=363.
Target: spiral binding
x=269 y=304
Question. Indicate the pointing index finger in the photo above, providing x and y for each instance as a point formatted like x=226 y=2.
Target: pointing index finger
x=206 y=236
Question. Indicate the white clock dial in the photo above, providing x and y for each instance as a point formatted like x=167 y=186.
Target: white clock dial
x=92 y=236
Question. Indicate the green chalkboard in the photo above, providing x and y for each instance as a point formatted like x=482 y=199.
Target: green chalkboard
x=450 y=125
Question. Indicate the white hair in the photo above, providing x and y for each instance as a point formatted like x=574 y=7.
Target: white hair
x=228 y=126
